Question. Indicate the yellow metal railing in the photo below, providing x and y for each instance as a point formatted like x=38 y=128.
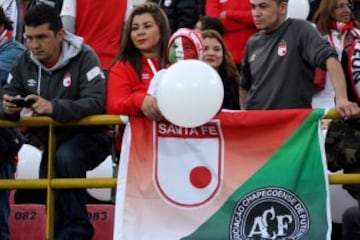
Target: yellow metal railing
x=52 y=183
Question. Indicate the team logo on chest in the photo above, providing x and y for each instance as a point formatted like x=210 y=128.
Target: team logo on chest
x=252 y=58
x=31 y=82
x=67 y=80
x=145 y=76
x=282 y=49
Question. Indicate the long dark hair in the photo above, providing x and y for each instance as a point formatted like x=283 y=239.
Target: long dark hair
x=227 y=69
x=128 y=51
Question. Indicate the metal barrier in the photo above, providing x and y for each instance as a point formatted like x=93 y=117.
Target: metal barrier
x=52 y=183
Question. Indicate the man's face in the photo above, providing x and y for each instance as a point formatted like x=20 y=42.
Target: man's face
x=44 y=43
x=268 y=14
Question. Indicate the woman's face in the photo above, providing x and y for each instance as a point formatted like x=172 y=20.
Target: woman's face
x=145 y=34
x=343 y=11
x=182 y=48
x=213 y=53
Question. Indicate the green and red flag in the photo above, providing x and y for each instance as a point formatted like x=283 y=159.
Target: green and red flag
x=253 y=175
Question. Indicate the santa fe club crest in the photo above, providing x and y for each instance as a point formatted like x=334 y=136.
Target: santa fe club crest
x=282 y=49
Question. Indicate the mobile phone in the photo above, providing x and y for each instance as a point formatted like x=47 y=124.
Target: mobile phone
x=21 y=102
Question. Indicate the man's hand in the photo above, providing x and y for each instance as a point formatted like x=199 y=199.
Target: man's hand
x=8 y=106
x=41 y=106
x=150 y=108
x=346 y=108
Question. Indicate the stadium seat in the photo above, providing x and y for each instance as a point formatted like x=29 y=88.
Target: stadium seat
x=102 y=218
x=27 y=221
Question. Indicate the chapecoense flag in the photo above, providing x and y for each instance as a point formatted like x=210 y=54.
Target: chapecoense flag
x=253 y=175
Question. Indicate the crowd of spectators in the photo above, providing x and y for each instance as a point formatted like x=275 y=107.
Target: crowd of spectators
x=103 y=56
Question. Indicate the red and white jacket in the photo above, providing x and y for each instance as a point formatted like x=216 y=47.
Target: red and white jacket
x=125 y=91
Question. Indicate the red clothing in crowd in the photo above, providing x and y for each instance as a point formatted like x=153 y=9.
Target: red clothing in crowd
x=125 y=91
x=238 y=24
x=100 y=23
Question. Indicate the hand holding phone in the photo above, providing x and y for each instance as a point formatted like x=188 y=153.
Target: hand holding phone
x=21 y=102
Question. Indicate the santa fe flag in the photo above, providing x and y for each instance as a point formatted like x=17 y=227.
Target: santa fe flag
x=253 y=175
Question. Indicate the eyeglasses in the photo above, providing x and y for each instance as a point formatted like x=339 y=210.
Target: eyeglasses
x=343 y=6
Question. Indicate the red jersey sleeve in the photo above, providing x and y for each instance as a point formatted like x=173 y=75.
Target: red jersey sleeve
x=125 y=91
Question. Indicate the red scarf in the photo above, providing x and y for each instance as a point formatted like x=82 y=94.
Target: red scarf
x=343 y=27
x=346 y=29
x=5 y=36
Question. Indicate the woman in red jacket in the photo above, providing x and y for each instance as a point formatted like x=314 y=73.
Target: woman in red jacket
x=142 y=53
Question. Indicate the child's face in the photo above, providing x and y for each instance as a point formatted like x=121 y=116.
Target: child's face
x=182 y=48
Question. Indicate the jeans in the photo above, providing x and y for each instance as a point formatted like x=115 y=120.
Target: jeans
x=5 y=173
x=73 y=158
x=351 y=224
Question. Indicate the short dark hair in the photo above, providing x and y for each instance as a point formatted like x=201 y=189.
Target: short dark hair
x=211 y=23
x=4 y=20
x=128 y=51
x=41 y=14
